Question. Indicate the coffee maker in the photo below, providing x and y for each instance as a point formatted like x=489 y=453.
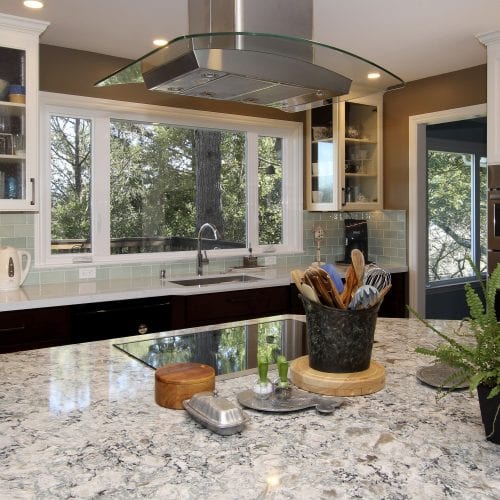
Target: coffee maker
x=356 y=236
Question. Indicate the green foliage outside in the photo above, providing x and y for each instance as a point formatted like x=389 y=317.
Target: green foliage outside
x=70 y=153
x=270 y=191
x=153 y=179
x=449 y=182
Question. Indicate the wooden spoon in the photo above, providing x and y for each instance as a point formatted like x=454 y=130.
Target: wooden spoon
x=331 y=287
x=309 y=293
x=351 y=284
x=358 y=262
x=309 y=280
x=298 y=278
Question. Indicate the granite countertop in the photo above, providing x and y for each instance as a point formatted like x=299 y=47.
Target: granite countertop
x=80 y=421
x=83 y=292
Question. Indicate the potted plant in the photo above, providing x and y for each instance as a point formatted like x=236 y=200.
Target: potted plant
x=474 y=350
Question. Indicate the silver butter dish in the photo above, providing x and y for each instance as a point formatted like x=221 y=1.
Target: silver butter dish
x=216 y=413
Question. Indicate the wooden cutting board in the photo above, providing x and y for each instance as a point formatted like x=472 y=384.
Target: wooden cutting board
x=179 y=381
x=337 y=384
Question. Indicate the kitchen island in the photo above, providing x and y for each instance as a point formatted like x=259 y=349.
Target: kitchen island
x=80 y=421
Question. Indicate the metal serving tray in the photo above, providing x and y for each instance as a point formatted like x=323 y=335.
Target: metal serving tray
x=299 y=400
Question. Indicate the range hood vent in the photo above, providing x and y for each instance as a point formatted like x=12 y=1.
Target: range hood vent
x=232 y=61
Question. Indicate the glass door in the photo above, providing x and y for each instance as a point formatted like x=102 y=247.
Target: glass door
x=361 y=154
x=13 y=180
x=322 y=183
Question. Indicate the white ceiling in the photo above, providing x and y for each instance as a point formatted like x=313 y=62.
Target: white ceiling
x=411 y=38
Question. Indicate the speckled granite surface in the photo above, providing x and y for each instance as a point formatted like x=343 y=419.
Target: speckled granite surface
x=81 y=422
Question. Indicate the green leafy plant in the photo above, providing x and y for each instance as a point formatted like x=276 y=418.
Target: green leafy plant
x=474 y=349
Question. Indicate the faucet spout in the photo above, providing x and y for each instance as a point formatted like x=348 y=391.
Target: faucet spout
x=200 y=260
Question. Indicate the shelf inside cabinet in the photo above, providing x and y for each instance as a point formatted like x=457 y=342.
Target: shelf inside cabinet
x=374 y=174
x=359 y=141
x=11 y=158
x=12 y=108
x=317 y=141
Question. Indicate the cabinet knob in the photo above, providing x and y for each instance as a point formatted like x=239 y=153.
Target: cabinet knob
x=142 y=329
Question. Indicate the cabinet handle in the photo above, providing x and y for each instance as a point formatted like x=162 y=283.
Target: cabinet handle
x=343 y=197
x=142 y=329
x=32 y=180
x=238 y=301
x=13 y=329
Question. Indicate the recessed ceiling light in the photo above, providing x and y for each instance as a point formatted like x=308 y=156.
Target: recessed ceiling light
x=160 y=42
x=373 y=76
x=33 y=4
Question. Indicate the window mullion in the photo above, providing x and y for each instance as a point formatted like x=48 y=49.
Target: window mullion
x=475 y=213
x=101 y=236
x=252 y=162
x=43 y=226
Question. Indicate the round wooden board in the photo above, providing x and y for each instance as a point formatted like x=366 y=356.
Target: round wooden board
x=179 y=381
x=337 y=384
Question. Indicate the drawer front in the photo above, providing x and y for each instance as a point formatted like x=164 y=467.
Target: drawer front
x=120 y=319
x=34 y=328
x=231 y=306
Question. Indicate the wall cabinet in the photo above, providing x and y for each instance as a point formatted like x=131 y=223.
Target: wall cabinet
x=492 y=42
x=19 y=39
x=344 y=156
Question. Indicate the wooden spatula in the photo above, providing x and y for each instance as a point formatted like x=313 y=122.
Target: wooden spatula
x=331 y=288
x=351 y=284
x=358 y=262
x=298 y=278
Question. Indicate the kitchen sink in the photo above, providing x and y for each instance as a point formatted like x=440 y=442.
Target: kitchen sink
x=213 y=280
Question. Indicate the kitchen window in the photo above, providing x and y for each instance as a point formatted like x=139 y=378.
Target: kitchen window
x=123 y=181
x=456 y=214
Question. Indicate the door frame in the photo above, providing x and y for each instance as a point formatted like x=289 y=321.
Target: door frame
x=417 y=226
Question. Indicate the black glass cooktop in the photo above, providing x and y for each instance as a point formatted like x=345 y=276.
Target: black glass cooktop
x=228 y=350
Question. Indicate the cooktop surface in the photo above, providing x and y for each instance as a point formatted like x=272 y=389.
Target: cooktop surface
x=228 y=350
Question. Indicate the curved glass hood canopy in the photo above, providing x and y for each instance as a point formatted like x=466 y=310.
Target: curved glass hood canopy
x=280 y=71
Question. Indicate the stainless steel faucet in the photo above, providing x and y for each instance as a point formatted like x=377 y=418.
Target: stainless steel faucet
x=200 y=260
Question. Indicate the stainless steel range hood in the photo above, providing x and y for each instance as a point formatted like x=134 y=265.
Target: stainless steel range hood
x=255 y=52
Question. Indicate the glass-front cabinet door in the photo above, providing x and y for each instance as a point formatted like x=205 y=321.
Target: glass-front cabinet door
x=322 y=160
x=343 y=164
x=360 y=128
x=18 y=112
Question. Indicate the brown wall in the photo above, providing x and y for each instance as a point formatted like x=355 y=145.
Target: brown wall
x=451 y=90
x=75 y=72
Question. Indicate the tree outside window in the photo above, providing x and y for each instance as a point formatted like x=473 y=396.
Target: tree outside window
x=165 y=181
x=456 y=214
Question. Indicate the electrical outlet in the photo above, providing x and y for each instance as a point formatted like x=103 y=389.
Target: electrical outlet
x=270 y=261
x=87 y=273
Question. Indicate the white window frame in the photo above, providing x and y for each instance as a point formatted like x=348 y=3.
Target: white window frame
x=101 y=111
x=417 y=226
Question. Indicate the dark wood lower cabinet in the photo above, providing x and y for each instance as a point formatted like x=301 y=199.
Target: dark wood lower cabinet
x=45 y=327
x=234 y=306
x=123 y=318
x=34 y=328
